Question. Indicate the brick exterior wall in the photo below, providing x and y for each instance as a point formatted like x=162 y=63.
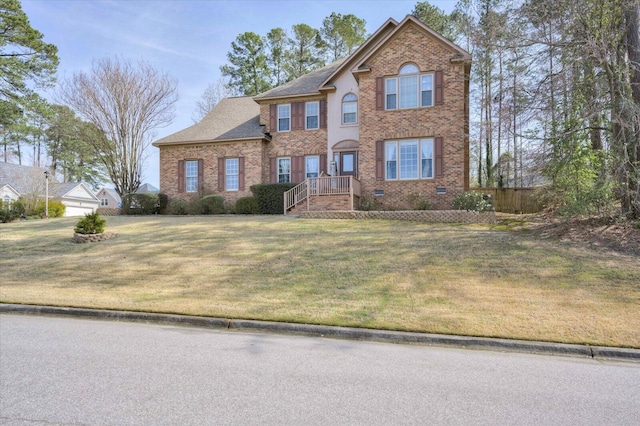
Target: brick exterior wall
x=291 y=143
x=411 y=44
x=432 y=216
x=323 y=203
x=448 y=121
x=252 y=151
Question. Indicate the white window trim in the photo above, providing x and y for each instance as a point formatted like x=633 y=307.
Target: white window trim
x=306 y=172
x=353 y=123
x=288 y=118
x=306 y=115
x=278 y=169
x=187 y=176
x=419 y=158
x=418 y=76
x=227 y=174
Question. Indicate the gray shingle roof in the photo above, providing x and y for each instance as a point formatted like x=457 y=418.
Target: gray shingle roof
x=232 y=118
x=305 y=85
x=21 y=178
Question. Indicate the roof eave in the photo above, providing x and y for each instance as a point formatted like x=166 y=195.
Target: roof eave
x=201 y=141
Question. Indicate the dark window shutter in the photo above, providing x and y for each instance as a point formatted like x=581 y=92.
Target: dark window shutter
x=379 y=92
x=439 y=151
x=323 y=114
x=273 y=118
x=297 y=169
x=221 y=173
x=181 y=181
x=241 y=173
x=200 y=174
x=274 y=169
x=323 y=164
x=439 y=86
x=297 y=116
x=379 y=160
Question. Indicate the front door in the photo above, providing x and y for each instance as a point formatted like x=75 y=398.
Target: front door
x=348 y=163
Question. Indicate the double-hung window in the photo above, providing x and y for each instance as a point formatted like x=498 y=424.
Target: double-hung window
x=409 y=159
x=312 y=166
x=312 y=112
x=104 y=201
x=349 y=109
x=284 y=170
x=191 y=175
x=232 y=173
x=409 y=89
x=284 y=118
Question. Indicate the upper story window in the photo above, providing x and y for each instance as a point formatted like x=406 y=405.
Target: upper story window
x=349 y=109
x=284 y=118
x=312 y=114
x=409 y=89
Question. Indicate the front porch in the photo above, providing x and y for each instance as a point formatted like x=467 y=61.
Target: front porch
x=324 y=193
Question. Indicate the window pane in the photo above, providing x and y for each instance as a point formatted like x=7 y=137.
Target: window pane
x=426 y=91
x=409 y=69
x=350 y=97
x=312 y=115
x=312 y=122
x=391 y=160
x=284 y=114
x=349 y=112
x=391 y=91
x=284 y=170
x=191 y=175
x=409 y=160
x=427 y=158
x=347 y=163
x=409 y=92
x=313 y=167
x=231 y=174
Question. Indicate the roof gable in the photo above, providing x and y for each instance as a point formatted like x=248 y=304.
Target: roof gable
x=458 y=54
x=77 y=190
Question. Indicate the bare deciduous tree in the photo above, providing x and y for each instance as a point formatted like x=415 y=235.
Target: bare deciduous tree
x=213 y=94
x=126 y=102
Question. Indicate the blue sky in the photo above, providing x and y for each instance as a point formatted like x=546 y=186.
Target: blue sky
x=188 y=40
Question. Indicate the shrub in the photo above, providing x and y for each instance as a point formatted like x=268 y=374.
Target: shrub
x=91 y=223
x=56 y=208
x=163 y=203
x=418 y=202
x=11 y=211
x=270 y=196
x=212 y=204
x=368 y=203
x=472 y=201
x=140 y=204
x=247 y=205
x=177 y=207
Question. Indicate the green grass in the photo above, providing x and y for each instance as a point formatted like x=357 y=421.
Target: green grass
x=457 y=279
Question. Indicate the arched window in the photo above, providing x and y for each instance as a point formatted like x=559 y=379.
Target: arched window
x=349 y=109
x=409 y=69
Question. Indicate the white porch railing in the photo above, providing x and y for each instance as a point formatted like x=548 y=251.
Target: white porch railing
x=324 y=185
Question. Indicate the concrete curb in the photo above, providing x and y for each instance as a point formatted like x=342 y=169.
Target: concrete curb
x=523 y=346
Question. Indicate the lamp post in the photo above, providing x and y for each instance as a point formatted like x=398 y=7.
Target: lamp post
x=46 y=194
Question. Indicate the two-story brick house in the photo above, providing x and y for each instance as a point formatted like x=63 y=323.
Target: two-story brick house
x=388 y=122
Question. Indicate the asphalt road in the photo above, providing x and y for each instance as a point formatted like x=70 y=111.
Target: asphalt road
x=65 y=371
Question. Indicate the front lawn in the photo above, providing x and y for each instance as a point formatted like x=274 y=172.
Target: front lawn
x=476 y=280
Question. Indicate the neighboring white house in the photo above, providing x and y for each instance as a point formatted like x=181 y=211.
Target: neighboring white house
x=78 y=198
x=147 y=188
x=26 y=180
x=109 y=198
x=8 y=193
